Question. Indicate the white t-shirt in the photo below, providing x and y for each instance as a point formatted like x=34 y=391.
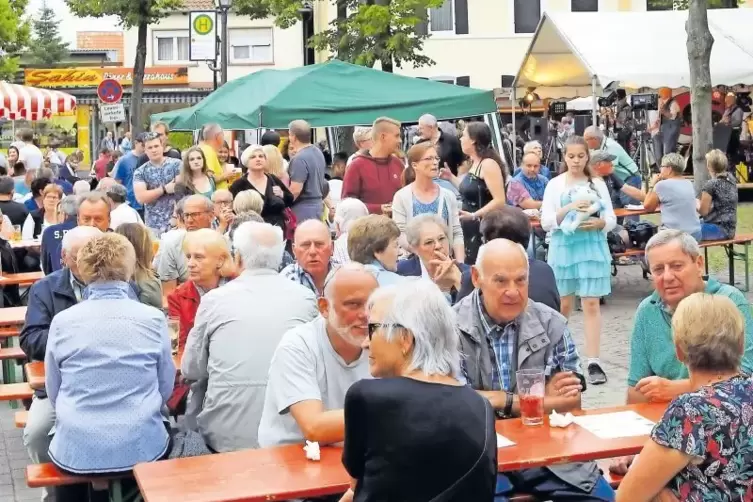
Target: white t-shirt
x=31 y=156
x=305 y=367
x=124 y=214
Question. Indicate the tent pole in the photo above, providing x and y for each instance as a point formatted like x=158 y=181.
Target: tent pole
x=595 y=104
x=514 y=129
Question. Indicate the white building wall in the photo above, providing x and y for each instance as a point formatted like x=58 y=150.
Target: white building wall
x=286 y=46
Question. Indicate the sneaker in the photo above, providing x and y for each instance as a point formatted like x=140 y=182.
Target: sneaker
x=596 y=375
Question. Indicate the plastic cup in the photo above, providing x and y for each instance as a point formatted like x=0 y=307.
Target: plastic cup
x=16 y=233
x=531 y=384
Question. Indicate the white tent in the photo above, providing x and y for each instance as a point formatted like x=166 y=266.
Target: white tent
x=578 y=54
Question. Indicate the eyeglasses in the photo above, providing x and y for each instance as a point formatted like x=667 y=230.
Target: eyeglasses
x=223 y=203
x=432 y=159
x=188 y=216
x=373 y=326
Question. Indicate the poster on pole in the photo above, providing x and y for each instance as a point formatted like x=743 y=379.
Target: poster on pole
x=203 y=30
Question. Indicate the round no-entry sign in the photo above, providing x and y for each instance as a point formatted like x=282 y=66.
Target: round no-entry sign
x=110 y=91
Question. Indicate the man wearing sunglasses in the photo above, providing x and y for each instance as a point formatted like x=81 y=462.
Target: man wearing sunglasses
x=316 y=363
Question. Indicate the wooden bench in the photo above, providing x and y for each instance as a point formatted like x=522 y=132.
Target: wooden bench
x=14 y=391
x=12 y=353
x=20 y=418
x=47 y=476
x=729 y=247
x=35 y=374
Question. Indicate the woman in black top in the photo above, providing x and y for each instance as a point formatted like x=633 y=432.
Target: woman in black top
x=483 y=188
x=416 y=434
x=277 y=197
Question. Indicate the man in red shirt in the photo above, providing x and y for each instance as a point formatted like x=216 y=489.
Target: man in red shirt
x=374 y=176
x=100 y=165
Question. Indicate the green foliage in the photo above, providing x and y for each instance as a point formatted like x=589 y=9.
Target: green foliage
x=14 y=35
x=377 y=30
x=48 y=48
x=130 y=12
x=182 y=140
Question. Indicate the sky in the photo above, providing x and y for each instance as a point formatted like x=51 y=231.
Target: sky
x=69 y=24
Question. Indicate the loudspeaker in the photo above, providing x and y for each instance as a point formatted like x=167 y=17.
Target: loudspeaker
x=538 y=130
x=722 y=135
x=507 y=81
x=581 y=122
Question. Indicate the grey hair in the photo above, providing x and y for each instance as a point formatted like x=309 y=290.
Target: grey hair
x=674 y=161
x=301 y=130
x=79 y=235
x=361 y=134
x=94 y=197
x=687 y=242
x=415 y=225
x=528 y=147
x=329 y=281
x=240 y=219
x=248 y=200
x=7 y=185
x=208 y=204
x=81 y=187
x=428 y=120
x=209 y=131
x=594 y=131
x=260 y=245
x=422 y=309
x=348 y=211
x=69 y=205
x=44 y=172
x=495 y=242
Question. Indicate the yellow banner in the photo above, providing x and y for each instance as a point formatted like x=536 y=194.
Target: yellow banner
x=91 y=77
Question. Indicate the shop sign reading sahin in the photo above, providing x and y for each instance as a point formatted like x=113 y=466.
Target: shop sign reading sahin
x=91 y=77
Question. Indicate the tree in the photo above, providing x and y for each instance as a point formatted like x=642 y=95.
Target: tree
x=700 y=41
x=14 y=35
x=132 y=13
x=48 y=48
x=364 y=32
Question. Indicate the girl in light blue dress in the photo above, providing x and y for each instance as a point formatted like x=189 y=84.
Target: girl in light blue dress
x=580 y=260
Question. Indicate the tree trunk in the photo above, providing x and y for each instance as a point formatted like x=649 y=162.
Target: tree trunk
x=138 y=81
x=699 y=46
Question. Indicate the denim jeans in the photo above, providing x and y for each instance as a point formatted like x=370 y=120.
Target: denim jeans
x=625 y=199
x=712 y=232
x=541 y=482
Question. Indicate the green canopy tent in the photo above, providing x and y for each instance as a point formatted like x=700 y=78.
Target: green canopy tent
x=327 y=95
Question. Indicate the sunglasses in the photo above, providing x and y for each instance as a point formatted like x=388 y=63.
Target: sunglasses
x=373 y=326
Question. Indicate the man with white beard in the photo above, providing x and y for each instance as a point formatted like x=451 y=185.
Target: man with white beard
x=316 y=363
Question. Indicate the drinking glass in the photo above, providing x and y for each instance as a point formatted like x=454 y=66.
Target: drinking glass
x=16 y=233
x=531 y=384
x=173 y=324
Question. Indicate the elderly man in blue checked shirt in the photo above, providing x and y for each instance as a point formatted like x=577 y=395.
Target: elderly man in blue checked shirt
x=501 y=332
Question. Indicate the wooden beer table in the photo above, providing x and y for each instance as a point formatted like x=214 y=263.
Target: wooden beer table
x=283 y=472
x=22 y=279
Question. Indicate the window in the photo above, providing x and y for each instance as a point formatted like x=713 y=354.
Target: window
x=171 y=47
x=441 y=18
x=584 y=5
x=251 y=45
x=659 y=4
x=527 y=15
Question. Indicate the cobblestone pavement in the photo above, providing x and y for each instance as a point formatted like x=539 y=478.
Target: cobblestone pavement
x=628 y=289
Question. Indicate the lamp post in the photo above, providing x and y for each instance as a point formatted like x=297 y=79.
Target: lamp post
x=306 y=11
x=224 y=7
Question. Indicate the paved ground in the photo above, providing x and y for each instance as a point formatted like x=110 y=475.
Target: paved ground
x=629 y=288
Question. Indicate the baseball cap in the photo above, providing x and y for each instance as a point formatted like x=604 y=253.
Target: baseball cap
x=601 y=156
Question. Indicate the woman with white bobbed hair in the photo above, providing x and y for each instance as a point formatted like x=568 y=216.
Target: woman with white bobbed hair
x=416 y=432
x=273 y=191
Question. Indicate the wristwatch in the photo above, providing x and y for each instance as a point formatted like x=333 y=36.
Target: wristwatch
x=508 y=403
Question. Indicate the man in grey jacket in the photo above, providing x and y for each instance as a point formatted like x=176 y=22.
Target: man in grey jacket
x=501 y=332
x=237 y=329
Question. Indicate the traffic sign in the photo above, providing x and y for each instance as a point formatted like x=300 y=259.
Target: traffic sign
x=112 y=113
x=202 y=44
x=110 y=91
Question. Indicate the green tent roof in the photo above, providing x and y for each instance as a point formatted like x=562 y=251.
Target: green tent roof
x=328 y=94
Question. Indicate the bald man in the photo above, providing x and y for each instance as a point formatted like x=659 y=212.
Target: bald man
x=523 y=334
x=316 y=363
x=312 y=247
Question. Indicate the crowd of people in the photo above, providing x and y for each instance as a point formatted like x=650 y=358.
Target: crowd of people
x=361 y=308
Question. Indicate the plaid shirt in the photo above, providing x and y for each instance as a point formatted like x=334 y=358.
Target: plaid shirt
x=295 y=273
x=502 y=342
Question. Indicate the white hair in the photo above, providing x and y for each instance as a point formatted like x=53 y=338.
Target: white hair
x=594 y=132
x=422 y=309
x=495 y=243
x=361 y=134
x=687 y=242
x=417 y=224
x=428 y=120
x=81 y=187
x=210 y=131
x=79 y=236
x=348 y=211
x=530 y=146
x=259 y=245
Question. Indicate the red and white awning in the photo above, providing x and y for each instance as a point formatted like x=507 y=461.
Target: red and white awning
x=30 y=103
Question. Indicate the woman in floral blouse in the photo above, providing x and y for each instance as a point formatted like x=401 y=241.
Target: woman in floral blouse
x=701 y=450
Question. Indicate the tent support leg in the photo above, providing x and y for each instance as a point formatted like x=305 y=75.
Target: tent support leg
x=595 y=105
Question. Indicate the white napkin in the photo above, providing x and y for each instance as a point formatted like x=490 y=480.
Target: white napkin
x=532 y=213
x=557 y=420
x=634 y=207
x=312 y=451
